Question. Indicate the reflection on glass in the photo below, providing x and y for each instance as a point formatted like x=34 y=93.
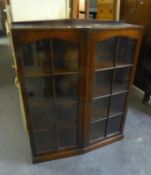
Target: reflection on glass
x=102 y=83
x=66 y=87
x=97 y=130
x=66 y=113
x=100 y=108
x=39 y=90
x=126 y=50
x=67 y=137
x=42 y=117
x=117 y=104
x=66 y=56
x=114 y=124
x=121 y=79
x=45 y=142
x=105 y=52
x=28 y=53
x=36 y=58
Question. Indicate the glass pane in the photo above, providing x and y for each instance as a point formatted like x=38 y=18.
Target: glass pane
x=66 y=87
x=121 y=79
x=97 y=130
x=42 y=117
x=114 y=124
x=126 y=50
x=45 y=142
x=39 y=90
x=66 y=113
x=66 y=56
x=100 y=108
x=67 y=137
x=105 y=51
x=117 y=104
x=102 y=83
x=36 y=58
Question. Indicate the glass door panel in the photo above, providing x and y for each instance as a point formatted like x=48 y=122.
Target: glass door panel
x=121 y=79
x=67 y=137
x=51 y=77
x=66 y=56
x=66 y=114
x=39 y=90
x=114 y=125
x=102 y=83
x=97 y=130
x=117 y=104
x=100 y=108
x=42 y=117
x=110 y=82
x=45 y=142
x=105 y=52
x=126 y=50
x=66 y=88
x=36 y=58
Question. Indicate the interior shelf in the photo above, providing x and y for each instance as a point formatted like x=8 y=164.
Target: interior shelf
x=119 y=92
x=55 y=128
x=122 y=65
x=60 y=71
x=40 y=102
x=117 y=114
x=103 y=65
x=33 y=71
x=114 y=67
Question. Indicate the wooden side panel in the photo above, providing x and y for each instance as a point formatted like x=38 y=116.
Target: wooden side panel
x=138 y=12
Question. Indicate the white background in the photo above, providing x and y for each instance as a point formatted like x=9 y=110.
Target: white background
x=29 y=10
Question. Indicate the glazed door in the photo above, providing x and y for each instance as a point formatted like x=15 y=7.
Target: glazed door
x=50 y=74
x=111 y=74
